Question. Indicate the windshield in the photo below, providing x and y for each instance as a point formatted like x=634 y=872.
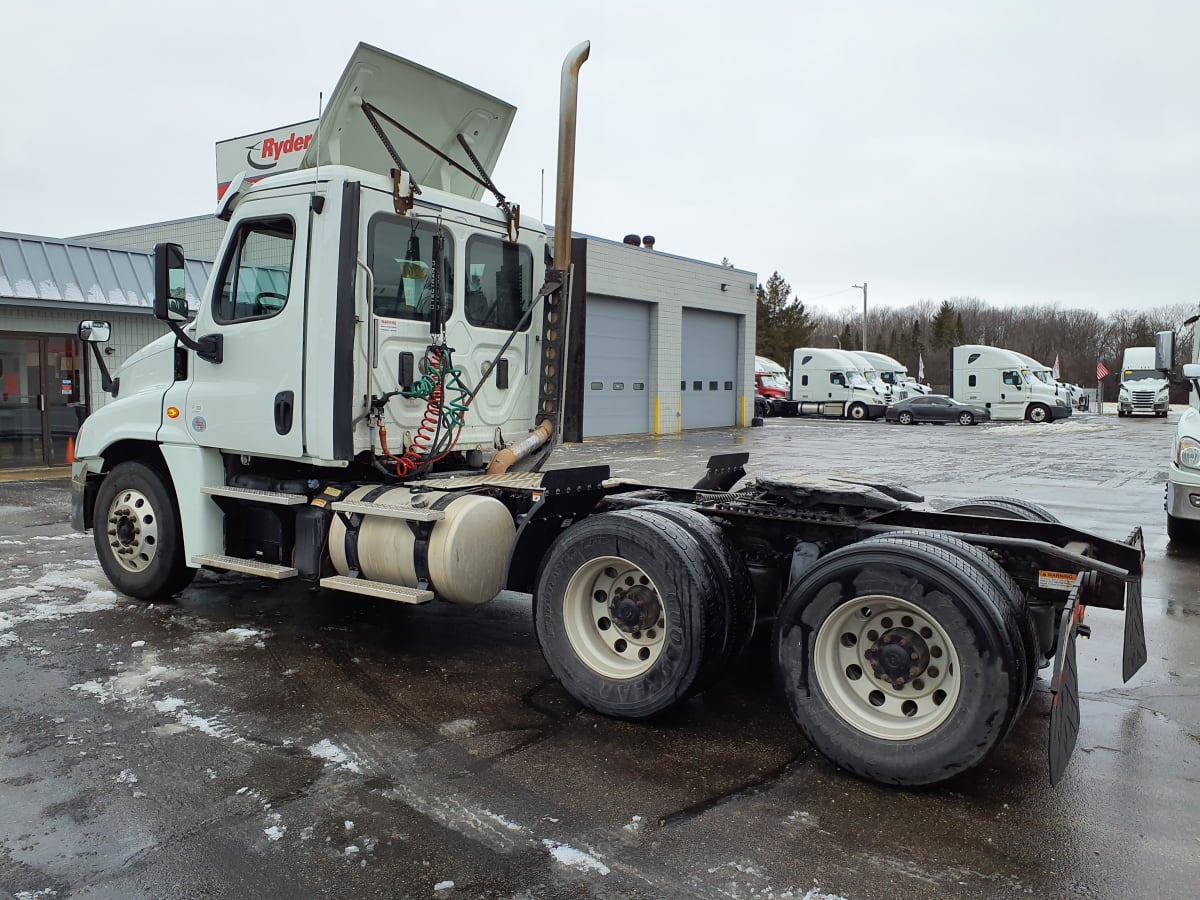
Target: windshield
x=774 y=380
x=1138 y=374
x=856 y=379
x=1044 y=377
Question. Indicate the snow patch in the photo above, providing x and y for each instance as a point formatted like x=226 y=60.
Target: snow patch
x=126 y=777
x=634 y=826
x=96 y=689
x=335 y=756
x=244 y=634
x=567 y=855
x=138 y=644
x=457 y=728
x=169 y=704
x=36 y=895
x=275 y=832
x=444 y=886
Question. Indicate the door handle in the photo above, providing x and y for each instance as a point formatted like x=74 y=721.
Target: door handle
x=284 y=402
x=41 y=402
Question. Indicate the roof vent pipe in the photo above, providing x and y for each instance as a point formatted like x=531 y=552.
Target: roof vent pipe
x=632 y=240
x=648 y=242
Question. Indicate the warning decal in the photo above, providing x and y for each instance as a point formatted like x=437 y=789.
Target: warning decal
x=1056 y=581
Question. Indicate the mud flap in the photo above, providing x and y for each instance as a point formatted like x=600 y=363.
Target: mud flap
x=1133 y=657
x=1064 y=712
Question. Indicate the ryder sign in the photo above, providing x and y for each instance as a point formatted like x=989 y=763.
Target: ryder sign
x=264 y=153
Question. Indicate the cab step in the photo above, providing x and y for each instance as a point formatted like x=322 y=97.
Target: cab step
x=382 y=589
x=253 y=496
x=247 y=566
x=411 y=513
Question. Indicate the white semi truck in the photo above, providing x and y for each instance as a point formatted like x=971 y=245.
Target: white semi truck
x=831 y=383
x=366 y=400
x=1001 y=380
x=894 y=376
x=1183 y=477
x=1143 y=388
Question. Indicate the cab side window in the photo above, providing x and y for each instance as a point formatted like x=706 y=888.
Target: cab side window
x=257 y=272
x=837 y=378
x=402 y=266
x=499 y=283
x=1012 y=378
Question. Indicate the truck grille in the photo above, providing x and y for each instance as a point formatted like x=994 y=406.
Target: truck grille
x=1143 y=398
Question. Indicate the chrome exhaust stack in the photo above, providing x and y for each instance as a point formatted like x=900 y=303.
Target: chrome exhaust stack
x=568 y=113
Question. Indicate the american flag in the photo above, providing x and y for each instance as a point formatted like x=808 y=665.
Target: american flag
x=1101 y=369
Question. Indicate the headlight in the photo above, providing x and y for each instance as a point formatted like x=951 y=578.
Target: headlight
x=1188 y=453
x=1061 y=402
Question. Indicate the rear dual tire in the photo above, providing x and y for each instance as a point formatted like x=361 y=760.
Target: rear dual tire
x=923 y=616
x=638 y=610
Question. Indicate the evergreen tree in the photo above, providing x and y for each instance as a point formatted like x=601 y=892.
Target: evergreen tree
x=782 y=324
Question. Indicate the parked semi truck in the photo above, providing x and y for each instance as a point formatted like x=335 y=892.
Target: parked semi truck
x=770 y=384
x=366 y=400
x=1183 y=477
x=1001 y=380
x=1143 y=388
x=830 y=383
x=894 y=376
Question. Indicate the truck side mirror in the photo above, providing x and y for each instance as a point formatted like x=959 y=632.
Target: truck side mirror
x=1164 y=351
x=1191 y=371
x=94 y=331
x=170 y=284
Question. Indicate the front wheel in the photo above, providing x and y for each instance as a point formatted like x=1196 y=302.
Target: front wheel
x=966 y=418
x=1038 y=413
x=1183 y=531
x=905 y=418
x=138 y=537
x=857 y=411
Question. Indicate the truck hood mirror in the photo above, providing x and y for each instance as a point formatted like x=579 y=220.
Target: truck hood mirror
x=94 y=331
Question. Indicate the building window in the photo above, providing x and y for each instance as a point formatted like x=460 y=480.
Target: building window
x=639 y=386
x=597 y=385
x=729 y=385
x=618 y=385
x=697 y=385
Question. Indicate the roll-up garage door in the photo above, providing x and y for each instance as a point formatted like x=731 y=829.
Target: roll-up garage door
x=710 y=352
x=616 y=396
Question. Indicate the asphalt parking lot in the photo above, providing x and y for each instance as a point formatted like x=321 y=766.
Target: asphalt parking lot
x=263 y=739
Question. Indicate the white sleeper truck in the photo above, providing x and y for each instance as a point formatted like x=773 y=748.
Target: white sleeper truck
x=1002 y=381
x=366 y=398
x=894 y=375
x=830 y=383
x=1144 y=388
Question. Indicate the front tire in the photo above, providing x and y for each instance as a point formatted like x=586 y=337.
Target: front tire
x=966 y=418
x=1038 y=414
x=139 y=541
x=859 y=615
x=905 y=418
x=857 y=411
x=1183 y=531
x=628 y=614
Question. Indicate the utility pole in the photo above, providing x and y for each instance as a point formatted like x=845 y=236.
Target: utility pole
x=863 y=287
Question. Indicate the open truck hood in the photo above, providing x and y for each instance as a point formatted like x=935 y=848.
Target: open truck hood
x=431 y=105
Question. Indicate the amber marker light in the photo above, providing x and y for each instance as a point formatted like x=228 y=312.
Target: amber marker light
x=172 y=412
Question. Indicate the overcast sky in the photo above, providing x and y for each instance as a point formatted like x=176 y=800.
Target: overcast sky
x=1023 y=151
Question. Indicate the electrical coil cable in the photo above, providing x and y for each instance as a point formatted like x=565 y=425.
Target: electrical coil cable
x=447 y=399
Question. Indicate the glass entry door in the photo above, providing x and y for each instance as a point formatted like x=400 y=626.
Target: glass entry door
x=42 y=399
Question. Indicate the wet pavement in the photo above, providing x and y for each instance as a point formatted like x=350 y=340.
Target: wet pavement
x=261 y=739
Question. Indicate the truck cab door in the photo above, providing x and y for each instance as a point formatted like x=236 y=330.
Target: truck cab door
x=252 y=400
x=1013 y=396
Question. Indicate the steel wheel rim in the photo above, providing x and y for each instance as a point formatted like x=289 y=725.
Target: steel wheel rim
x=1037 y=414
x=132 y=526
x=847 y=662
x=598 y=620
